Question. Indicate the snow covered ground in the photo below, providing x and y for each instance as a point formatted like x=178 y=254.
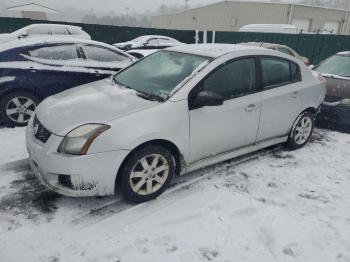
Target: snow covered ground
x=273 y=205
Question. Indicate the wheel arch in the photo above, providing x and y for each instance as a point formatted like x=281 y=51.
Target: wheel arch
x=311 y=109
x=179 y=160
x=9 y=90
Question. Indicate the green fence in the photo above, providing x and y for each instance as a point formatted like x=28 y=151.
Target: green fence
x=315 y=47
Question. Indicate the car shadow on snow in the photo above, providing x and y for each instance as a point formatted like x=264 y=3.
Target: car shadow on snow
x=26 y=195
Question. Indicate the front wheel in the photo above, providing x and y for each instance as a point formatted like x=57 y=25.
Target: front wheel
x=147 y=173
x=16 y=108
x=301 y=131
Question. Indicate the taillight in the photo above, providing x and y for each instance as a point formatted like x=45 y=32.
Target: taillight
x=307 y=62
x=322 y=79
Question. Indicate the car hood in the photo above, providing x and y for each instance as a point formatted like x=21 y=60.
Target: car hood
x=96 y=102
x=6 y=38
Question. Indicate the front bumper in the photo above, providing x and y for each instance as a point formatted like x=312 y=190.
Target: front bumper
x=90 y=175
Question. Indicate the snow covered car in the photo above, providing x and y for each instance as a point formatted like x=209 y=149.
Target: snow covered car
x=141 y=53
x=204 y=104
x=282 y=48
x=33 y=69
x=44 y=30
x=149 y=42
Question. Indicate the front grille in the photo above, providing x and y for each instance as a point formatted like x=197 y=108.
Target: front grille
x=40 y=132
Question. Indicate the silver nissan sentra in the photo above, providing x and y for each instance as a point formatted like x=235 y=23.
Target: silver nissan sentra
x=175 y=111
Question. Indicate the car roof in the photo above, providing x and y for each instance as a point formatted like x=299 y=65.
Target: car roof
x=49 y=40
x=211 y=50
x=49 y=25
x=263 y=44
x=148 y=36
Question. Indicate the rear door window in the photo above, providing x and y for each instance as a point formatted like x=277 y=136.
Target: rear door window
x=101 y=54
x=277 y=72
x=59 y=52
x=153 y=42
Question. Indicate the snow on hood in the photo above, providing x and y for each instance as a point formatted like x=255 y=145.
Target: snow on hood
x=96 y=102
x=6 y=38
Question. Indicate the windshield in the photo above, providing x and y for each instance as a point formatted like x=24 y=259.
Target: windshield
x=337 y=65
x=160 y=73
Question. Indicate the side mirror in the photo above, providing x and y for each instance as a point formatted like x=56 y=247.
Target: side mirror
x=206 y=98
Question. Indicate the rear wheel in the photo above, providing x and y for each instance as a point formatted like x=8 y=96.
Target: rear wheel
x=147 y=173
x=301 y=131
x=16 y=108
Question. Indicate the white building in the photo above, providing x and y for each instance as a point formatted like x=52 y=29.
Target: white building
x=31 y=11
x=232 y=15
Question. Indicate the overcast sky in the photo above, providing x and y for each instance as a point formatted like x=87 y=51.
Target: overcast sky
x=118 y=6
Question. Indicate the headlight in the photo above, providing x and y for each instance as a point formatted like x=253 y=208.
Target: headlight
x=78 y=141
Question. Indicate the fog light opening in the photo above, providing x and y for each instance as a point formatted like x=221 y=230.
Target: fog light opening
x=65 y=180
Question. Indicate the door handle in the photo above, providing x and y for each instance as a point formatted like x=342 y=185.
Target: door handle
x=295 y=94
x=250 y=108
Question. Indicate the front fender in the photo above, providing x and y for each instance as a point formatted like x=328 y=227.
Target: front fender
x=169 y=121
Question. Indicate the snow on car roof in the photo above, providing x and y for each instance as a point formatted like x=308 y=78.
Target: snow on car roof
x=347 y=53
x=49 y=40
x=151 y=36
x=49 y=25
x=211 y=50
x=262 y=44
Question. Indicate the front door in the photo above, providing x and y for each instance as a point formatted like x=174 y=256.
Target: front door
x=215 y=130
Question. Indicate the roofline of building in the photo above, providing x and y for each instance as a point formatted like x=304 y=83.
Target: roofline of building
x=15 y=6
x=251 y=2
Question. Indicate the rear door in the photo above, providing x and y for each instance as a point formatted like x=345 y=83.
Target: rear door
x=52 y=66
x=281 y=103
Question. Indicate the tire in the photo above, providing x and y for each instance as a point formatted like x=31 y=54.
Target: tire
x=17 y=107
x=139 y=181
x=301 y=131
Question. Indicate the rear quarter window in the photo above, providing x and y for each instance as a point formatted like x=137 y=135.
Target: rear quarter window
x=277 y=72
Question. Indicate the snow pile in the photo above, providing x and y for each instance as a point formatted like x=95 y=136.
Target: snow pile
x=273 y=205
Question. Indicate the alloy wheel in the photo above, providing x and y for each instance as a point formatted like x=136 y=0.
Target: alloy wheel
x=303 y=130
x=19 y=109
x=149 y=174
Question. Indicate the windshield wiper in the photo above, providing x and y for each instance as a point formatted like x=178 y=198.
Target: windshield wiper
x=145 y=95
x=151 y=97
